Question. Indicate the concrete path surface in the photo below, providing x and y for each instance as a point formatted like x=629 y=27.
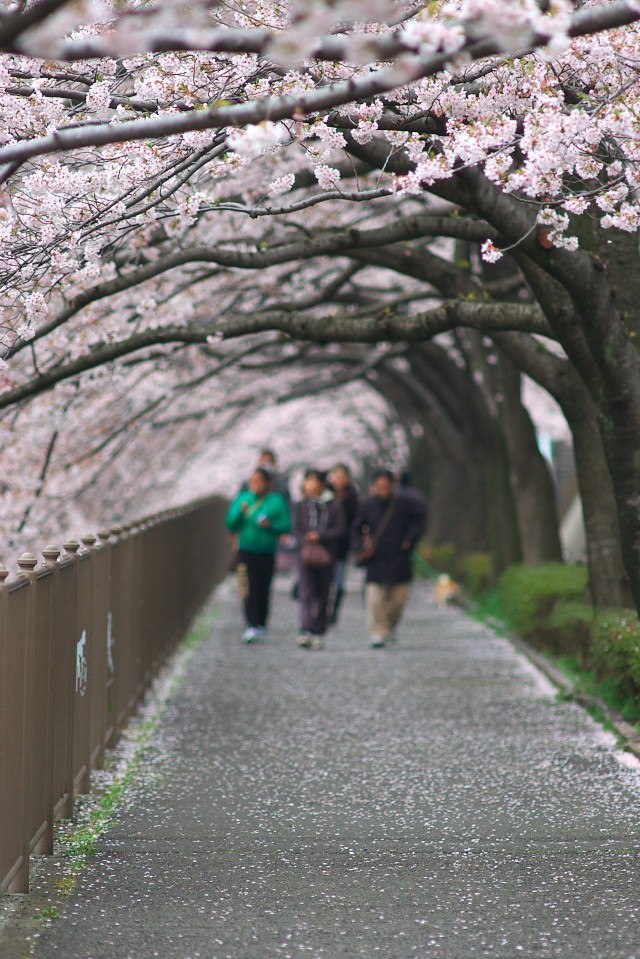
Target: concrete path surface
x=433 y=799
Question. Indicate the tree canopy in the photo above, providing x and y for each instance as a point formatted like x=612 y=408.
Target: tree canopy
x=176 y=178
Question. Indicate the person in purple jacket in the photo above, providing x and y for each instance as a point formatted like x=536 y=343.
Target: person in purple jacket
x=318 y=520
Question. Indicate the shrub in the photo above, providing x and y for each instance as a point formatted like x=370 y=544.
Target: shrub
x=567 y=631
x=441 y=557
x=616 y=646
x=446 y=558
x=528 y=593
x=546 y=604
x=474 y=569
x=426 y=551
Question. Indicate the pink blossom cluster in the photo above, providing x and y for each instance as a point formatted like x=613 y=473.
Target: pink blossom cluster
x=556 y=129
x=530 y=125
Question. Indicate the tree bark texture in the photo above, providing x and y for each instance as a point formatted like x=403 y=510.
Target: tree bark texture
x=609 y=582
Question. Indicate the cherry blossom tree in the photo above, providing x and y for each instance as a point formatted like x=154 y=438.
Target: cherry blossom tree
x=488 y=484
x=127 y=445
x=176 y=179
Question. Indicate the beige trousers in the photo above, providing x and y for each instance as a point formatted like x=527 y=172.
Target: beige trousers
x=385 y=603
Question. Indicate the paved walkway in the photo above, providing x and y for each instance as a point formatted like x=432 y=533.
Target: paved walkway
x=432 y=800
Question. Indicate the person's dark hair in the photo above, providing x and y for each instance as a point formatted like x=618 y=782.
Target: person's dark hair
x=267 y=452
x=343 y=466
x=404 y=478
x=380 y=472
x=266 y=473
x=319 y=474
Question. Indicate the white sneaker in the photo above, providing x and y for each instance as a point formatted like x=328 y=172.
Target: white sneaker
x=304 y=639
x=261 y=634
x=377 y=641
x=316 y=642
x=250 y=634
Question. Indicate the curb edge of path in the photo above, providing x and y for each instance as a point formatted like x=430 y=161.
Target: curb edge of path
x=626 y=732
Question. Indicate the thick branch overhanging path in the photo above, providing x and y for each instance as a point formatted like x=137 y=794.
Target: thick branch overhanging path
x=385 y=327
x=14 y=29
x=409 y=67
x=331 y=243
x=241 y=115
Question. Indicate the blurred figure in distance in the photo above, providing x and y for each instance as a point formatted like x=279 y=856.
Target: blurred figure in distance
x=259 y=517
x=388 y=524
x=346 y=493
x=319 y=524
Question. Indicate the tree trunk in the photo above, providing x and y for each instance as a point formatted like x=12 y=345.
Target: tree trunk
x=502 y=516
x=482 y=447
x=607 y=575
x=534 y=491
x=457 y=509
x=575 y=291
x=462 y=431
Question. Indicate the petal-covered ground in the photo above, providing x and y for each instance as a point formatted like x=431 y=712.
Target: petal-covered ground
x=429 y=799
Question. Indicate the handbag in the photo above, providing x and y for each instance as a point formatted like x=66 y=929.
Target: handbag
x=370 y=540
x=234 y=552
x=242 y=580
x=315 y=554
x=369 y=547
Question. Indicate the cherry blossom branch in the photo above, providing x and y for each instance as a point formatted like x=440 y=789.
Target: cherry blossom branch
x=335 y=243
x=264 y=42
x=41 y=480
x=354 y=196
x=79 y=96
x=228 y=40
x=321 y=295
x=178 y=173
x=13 y=25
x=238 y=115
x=356 y=368
x=384 y=327
x=608 y=16
x=406 y=69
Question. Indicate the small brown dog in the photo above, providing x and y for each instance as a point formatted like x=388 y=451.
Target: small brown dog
x=446 y=589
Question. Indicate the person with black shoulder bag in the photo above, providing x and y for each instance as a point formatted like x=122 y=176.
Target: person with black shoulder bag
x=388 y=524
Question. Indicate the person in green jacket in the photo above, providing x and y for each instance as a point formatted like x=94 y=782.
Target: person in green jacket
x=259 y=517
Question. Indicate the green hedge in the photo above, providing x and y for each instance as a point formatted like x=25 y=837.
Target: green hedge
x=472 y=570
x=441 y=557
x=548 y=606
x=475 y=572
x=567 y=631
x=616 y=647
x=529 y=594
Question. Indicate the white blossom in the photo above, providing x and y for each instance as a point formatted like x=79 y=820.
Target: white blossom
x=328 y=177
x=99 y=96
x=255 y=140
x=281 y=185
x=490 y=252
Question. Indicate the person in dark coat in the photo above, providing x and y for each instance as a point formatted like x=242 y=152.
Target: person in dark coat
x=345 y=491
x=318 y=518
x=388 y=524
